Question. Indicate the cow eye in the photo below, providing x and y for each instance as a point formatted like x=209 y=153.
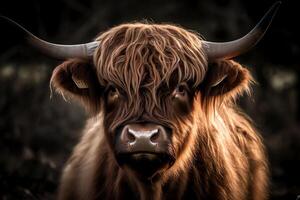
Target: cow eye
x=112 y=93
x=181 y=98
x=180 y=91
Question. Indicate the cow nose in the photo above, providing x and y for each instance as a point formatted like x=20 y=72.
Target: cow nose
x=143 y=138
x=147 y=135
x=145 y=148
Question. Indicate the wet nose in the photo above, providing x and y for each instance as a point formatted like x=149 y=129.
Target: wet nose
x=143 y=138
x=148 y=135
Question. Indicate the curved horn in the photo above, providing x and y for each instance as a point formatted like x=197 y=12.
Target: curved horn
x=227 y=50
x=55 y=50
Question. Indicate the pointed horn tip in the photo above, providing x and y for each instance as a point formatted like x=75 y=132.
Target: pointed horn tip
x=267 y=19
x=7 y=19
x=2 y=16
x=253 y=37
x=274 y=8
x=277 y=4
x=12 y=22
x=53 y=50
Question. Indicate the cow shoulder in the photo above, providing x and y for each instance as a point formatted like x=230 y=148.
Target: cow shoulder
x=80 y=170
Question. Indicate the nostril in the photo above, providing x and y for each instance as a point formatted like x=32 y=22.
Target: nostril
x=130 y=137
x=154 y=137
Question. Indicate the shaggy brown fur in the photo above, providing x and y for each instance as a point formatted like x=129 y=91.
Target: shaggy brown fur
x=219 y=154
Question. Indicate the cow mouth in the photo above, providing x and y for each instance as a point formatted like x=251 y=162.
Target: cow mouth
x=146 y=164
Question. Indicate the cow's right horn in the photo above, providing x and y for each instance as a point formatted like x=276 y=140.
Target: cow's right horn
x=58 y=51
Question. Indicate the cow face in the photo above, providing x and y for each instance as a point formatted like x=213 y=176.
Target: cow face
x=149 y=81
x=150 y=84
x=145 y=79
x=143 y=131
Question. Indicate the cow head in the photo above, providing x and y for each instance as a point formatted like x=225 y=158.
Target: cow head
x=151 y=83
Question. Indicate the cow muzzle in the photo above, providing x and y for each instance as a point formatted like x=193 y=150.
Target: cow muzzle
x=145 y=148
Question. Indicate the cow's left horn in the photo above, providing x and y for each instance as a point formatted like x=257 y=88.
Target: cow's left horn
x=54 y=50
x=227 y=50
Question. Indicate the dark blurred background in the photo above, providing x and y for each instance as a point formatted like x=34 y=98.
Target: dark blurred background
x=37 y=133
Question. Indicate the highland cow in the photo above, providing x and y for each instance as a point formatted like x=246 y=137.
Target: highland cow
x=164 y=122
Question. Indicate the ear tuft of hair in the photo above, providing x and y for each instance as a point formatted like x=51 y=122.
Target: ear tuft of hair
x=76 y=79
x=225 y=79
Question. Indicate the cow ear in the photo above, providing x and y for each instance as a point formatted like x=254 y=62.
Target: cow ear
x=226 y=77
x=76 y=78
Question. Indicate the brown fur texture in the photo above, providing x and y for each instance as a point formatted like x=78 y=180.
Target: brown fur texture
x=219 y=155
